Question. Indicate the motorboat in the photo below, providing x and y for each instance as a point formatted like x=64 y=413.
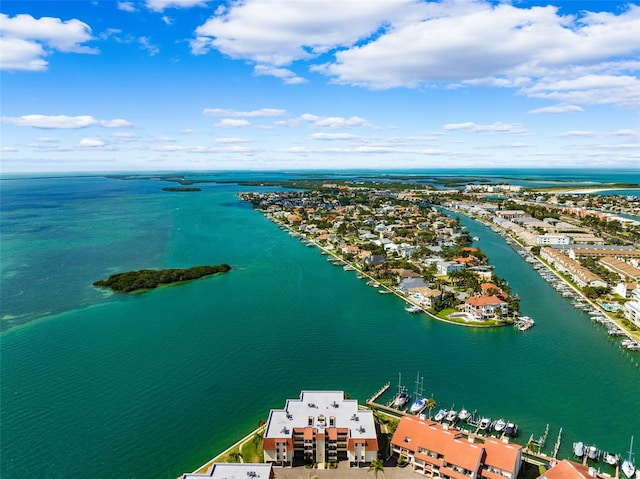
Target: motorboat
x=413 y=309
x=578 y=448
x=511 y=429
x=611 y=458
x=418 y=406
x=628 y=467
x=485 y=422
x=440 y=415
x=452 y=416
x=464 y=415
x=499 y=425
x=592 y=452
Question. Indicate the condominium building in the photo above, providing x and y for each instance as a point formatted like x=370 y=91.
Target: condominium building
x=435 y=451
x=321 y=426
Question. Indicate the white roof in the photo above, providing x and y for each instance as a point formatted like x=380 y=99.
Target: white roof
x=234 y=471
x=319 y=407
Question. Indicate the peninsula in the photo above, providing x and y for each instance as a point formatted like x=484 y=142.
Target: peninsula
x=144 y=279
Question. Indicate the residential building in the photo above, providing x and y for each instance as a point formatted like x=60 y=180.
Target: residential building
x=567 y=469
x=425 y=296
x=446 y=267
x=486 y=307
x=579 y=274
x=632 y=308
x=234 y=471
x=552 y=240
x=436 y=451
x=321 y=426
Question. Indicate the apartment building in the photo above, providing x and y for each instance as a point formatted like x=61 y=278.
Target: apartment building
x=435 y=451
x=321 y=426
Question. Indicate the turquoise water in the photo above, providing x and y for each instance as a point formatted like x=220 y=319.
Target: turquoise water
x=155 y=384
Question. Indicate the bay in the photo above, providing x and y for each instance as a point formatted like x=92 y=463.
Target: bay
x=154 y=384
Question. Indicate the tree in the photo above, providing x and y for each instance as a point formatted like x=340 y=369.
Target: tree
x=376 y=466
x=431 y=403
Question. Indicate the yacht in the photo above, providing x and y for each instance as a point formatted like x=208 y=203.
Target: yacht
x=578 y=449
x=401 y=399
x=611 y=458
x=628 y=468
x=418 y=406
x=440 y=415
x=592 y=452
x=485 y=422
x=499 y=425
x=464 y=415
x=412 y=309
x=451 y=416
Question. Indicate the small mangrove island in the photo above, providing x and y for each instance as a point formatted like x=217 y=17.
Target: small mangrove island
x=181 y=189
x=149 y=278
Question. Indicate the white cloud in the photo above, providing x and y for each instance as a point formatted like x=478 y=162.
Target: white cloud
x=127 y=7
x=232 y=123
x=263 y=112
x=231 y=140
x=63 y=121
x=446 y=43
x=331 y=122
x=26 y=40
x=596 y=134
x=146 y=44
x=92 y=143
x=161 y=5
x=557 y=109
x=333 y=136
x=497 y=127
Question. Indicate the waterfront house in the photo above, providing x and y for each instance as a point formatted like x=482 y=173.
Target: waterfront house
x=232 y=470
x=425 y=296
x=436 y=451
x=485 y=307
x=321 y=426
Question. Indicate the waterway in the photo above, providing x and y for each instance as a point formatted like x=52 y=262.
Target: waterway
x=155 y=384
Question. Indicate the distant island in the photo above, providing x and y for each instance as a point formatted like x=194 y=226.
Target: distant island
x=177 y=188
x=150 y=278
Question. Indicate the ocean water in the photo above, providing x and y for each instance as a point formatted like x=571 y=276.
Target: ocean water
x=152 y=385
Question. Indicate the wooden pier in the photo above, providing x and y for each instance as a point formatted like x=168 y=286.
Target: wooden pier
x=375 y=397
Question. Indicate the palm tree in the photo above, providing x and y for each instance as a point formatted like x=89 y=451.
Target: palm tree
x=431 y=403
x=376 y=466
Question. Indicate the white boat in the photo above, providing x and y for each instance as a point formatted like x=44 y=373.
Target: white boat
x=628 y=467
x=485 y=422
x=418 y=406
x=401 y=399
x=452 y=416
x=464 y=415
x=440 y=415
x=578 y=448
x=592 y=452
x=499 y=425
x=412 y=309
x=611 y=458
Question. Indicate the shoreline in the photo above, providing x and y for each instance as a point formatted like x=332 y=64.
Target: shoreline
x=392 y=290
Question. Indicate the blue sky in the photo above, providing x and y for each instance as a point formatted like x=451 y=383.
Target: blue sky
x=318 y=84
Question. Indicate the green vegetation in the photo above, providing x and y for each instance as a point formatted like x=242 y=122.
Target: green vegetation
x=149 y=278
x=177 y=188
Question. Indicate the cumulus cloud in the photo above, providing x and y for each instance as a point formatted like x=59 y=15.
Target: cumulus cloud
x=161 y=5
x=332 y=122
x=232 y=123
x=92 y=143
x=557 y=109
x=25 y=40
x=412 y=43
x=127 y=7
x=63 y=121
x=497 y=127
x=263 y=112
